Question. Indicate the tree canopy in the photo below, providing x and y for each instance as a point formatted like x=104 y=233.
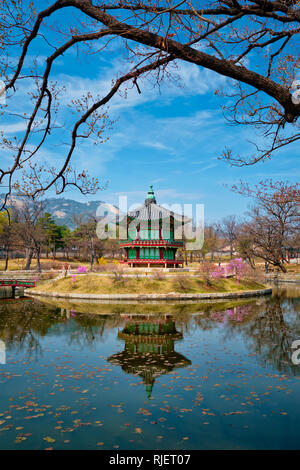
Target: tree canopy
x=250 y=42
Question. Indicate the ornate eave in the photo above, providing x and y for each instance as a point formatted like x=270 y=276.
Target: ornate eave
x=151 y=243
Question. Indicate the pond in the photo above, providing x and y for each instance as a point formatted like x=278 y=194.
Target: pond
x=190 y=375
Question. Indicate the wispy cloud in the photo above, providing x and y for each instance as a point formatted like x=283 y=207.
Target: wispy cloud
x=188 y=80
x=158 y=146
x=13 y=128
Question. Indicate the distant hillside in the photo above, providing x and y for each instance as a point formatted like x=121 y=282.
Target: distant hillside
x=63 y=210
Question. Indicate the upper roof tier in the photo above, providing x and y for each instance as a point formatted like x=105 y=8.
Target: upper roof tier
x=152 y=211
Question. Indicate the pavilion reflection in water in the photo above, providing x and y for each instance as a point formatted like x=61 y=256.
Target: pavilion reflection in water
x=149 y=348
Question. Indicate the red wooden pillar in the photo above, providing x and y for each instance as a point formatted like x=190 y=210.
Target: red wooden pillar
x=161 y=253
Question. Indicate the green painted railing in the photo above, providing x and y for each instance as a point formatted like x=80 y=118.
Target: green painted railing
x=16 y=283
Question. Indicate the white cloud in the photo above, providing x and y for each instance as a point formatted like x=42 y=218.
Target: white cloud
x=13 y=128
x=158 y=146
x=163 y=196
x=188 y=80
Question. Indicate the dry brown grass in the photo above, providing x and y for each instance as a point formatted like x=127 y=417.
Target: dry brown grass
x=18 y=264
x=87 y=284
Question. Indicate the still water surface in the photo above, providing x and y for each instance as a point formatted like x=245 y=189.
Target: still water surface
x=150 y=376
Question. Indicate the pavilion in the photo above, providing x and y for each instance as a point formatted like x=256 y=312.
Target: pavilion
x=151 y=237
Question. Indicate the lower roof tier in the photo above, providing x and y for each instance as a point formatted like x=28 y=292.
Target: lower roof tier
x=153 y=261
x=151 y=243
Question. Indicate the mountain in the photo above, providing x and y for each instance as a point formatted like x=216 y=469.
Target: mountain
x=63 y=210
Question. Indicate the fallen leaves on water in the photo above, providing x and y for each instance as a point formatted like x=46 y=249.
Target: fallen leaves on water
x=144 y=411
x=49 y=439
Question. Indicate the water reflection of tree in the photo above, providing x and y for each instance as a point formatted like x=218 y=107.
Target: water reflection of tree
x=88 y=330
x=268 y=325
x=269 y=328
x=271 y=333
x=22 y=326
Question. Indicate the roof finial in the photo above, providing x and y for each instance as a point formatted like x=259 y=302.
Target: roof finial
x=150 y=196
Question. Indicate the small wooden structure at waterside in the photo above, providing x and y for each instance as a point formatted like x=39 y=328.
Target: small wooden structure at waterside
x=14 y=283
x=151 y=237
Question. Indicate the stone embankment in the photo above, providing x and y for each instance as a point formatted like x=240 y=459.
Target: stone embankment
x=169 y=296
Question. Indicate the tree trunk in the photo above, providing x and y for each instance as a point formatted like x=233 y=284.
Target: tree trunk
x=92 y=259
x=29 y=259
x=282 y=267
x=38 y=260
x=6 y=260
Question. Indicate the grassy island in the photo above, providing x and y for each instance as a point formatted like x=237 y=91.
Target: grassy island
x=93 y=284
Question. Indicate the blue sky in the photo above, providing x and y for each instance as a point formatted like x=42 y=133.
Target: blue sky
x=170 y=136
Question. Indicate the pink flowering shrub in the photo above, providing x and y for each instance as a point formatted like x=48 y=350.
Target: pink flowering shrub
x=218 y=273
x=205 y=272
x=237 y=267
x=81 y=269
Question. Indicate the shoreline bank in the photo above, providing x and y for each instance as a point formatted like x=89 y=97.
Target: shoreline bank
x=168 y=296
